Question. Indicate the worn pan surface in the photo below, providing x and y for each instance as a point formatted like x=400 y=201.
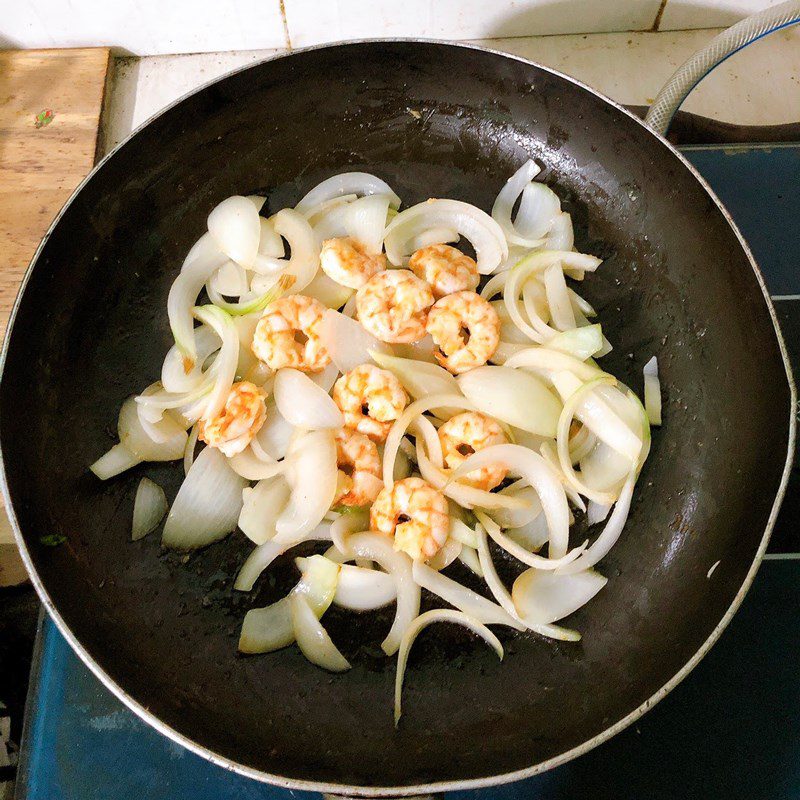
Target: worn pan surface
x=433 y=120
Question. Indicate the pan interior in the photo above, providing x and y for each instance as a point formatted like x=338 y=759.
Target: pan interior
x=434 y=121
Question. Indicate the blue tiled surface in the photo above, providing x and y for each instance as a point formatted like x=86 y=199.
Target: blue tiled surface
x=729 y=731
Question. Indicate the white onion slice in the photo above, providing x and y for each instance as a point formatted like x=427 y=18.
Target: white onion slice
x=275 y=434
x=546 y=598
x=325 y=378
x=304 y=404
x=595 y=512
x=477 y=606
x=512 y=396
x=429 y=617
x=311 y=474
x=447 y=554
x=504 y=599
x=304 y=258
x=362 y=589
x=469 y=558
x=257 y=200
x=561 y=235
x=223 y=369
x=262 y=556
x=207 y=505
x=581 y=343
x=532 y=536
x=149 y=508
x=236 y=230
x=313 y=213
x=270 y=628
x=538 y=208
x=181 y=299
x=205 y=246
x=545 y=361
x=433 y=236
x=114 y=461
x=174 y=377
x=313 y=639
x=423 y=428
x=261 y=507
x=230 y=279
x=462 y=533
x=379 y=548
x=133 y=436
x=420 y=379
x=518 y=517
x=157 y=425
x=348 y=343
x=483 y=233
x=353 y=520
x=611 y=532
x=359 y=183
x=538 y=474
x=504 y=204
x=327 y=291
x=188 y=451
x=365 y=220
x=557 y=298
x=652 y=391
x=270 y=243
x=423 y=350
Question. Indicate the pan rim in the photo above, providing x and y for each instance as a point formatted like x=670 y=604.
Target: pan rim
x=445 y=785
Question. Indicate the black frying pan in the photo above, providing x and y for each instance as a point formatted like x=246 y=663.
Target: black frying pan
x=90 y=328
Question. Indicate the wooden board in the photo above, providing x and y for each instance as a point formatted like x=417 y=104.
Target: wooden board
x=41 y=163
x=41 y=166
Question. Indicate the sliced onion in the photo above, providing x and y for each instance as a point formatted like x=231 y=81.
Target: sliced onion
x=477 y=606
x=223 y=369
x=512 y=396
x=325 y=378
x=348 y=343
x=423 y=620
x=236 y=230
x=182 y=296
x=157 y=426
x=596 y=414
x=469 y=558
x=253 y=301
x=423 y=350
x=205 y=246
x=275 y=434
x=652 y=392
x=483 y=233
x=605 y=470
x=353 y=520
x=422 y=428
x=261 y=507
x=270 y=243
x=208 y=503
x=113 y=462
x=263 y=555
x=359 y=183
x=504 y=204
x=561 y=235
x=188 y=451
x=400 y=425
x=313 y=639
x=503 y=597
x=532 y=536
x=433 y=236
x=313 y=213
x=546 y=361
x=365 y=220
x=174 y=377
x=538 y=209
x=311 y=474
x=230 y=279
x=558 y=299
x=581 y=343
x=447 y=554
x=610 y=534
x=304 y=259
x=304 y=404
x=518 y=517
x=149 y=508
x=379 y=548
x=462 y=533
x=134 y=438
x=509 y=332
x=362 y=589
x=538 y=474
x=596 y=512
x=327 y=291
x=270 y=628
x=547 y=597
x=420 y=379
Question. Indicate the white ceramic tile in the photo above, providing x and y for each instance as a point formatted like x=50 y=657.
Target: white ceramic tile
x=758 y=86
x=314 y=22
x=144 y=27
x=140 y=87
x=686 y=14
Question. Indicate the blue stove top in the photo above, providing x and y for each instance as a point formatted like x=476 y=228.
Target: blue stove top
x=730 y=730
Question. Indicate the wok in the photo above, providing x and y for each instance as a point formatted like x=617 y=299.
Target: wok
x=432 y=119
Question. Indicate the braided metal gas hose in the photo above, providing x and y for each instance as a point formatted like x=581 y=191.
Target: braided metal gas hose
x=720 y=48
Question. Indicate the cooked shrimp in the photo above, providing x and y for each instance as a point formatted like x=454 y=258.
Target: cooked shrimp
x=370 y=399
x=393 y=306
x=239 y=421
x=359 y=464
x=445 y=268
x=345 y=261
x=466 y=329
x=465 y=434
x=414 y=513
x=288 y=335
